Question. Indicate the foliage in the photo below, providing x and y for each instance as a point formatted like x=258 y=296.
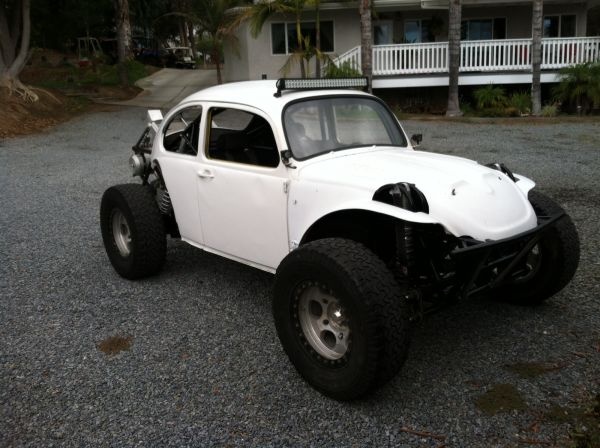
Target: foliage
x=218 y=20
x=262 y=10
x=77 y=18
x=490 y=96
x=344 y=70
x=521 y=101
x=580 y=84
x=550 y=110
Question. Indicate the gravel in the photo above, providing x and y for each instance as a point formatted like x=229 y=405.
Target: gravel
x=205 y=366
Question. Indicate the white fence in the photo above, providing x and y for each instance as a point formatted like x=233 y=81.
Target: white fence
x=476 y=56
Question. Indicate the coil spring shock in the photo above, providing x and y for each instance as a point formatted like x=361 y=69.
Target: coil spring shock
x=164 y=201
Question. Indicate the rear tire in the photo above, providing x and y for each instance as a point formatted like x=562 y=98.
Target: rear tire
x=133 y=230
x=341 y=317
x=553 y=260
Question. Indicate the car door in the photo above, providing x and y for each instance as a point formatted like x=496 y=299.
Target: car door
x=179 y=164
x=242 y=188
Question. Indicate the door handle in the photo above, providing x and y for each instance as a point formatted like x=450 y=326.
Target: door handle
x=205 y=174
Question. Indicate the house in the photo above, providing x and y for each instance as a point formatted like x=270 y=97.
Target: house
x=411 y=41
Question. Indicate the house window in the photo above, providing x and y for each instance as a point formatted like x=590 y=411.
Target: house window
x=418 y=30
x=383 y=32
x=560 y=26
x=284 y=39
x=483 y=29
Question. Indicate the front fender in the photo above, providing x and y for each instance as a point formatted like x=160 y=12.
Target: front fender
x=302 y=218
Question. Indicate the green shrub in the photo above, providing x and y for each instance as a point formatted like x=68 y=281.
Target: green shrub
x=580 y=84
x=550 y=110
x=520 y=101
x=344 y=70
x=490 y=97
x=108 y=75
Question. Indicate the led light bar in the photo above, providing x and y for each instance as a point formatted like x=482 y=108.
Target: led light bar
x=315 y=84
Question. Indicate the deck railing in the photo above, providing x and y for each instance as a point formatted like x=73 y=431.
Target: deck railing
x=476 y=56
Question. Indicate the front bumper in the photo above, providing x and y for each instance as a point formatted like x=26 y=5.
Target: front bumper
x=484 y=265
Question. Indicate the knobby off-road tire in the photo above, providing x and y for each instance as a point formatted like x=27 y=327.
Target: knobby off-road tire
x=133 y=230
x=553 y=265
x=341 y=317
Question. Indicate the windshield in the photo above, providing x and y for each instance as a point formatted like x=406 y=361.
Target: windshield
x=322 y=125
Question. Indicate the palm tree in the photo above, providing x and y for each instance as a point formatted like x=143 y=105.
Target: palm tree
x=454 y=26
x=536 y=57
x=317 y=4
x=580 y=84
x=366 y=40
x=218 y=18
x=262 y=10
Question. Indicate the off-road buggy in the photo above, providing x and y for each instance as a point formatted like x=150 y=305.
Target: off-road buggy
x=320 y=186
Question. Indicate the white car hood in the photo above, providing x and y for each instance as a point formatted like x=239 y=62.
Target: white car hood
x=467 y=198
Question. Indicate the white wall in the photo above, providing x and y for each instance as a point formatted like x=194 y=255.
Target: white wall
x=258 y=58
x=255 y=55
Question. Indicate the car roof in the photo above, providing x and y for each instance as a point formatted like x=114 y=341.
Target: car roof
x=260 y=94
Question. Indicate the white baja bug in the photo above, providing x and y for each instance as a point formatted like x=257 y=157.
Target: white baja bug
x=321 y=187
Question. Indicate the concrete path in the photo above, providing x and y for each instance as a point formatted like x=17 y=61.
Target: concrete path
x=169 y=86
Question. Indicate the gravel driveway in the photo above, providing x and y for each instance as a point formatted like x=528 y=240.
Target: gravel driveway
x=204 y=366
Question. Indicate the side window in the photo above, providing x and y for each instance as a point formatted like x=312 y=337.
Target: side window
x=242 y=137
x=182 y=132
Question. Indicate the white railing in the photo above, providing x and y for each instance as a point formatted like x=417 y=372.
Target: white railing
x=495 y=55
x=476 y=56
x=352 y=57
x=410 y=58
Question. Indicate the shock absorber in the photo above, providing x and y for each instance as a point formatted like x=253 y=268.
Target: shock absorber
x=405 y=244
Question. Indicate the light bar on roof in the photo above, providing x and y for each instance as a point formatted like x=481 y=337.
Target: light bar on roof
x=315 y=84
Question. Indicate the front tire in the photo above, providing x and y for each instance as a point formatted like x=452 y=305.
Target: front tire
x=341 y=317
x=552 y=262
x=133 y=230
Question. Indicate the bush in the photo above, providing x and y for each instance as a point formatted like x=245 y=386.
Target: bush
x=344 y=70
x=520 y=101
x=490 y=97
x=108 y=75
x=550 y=110
x=580 y=85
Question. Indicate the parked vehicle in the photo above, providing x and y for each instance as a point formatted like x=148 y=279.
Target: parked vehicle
x=321 y=187
x=179 y=57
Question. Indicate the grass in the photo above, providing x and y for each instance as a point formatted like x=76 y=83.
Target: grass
x=63 y=78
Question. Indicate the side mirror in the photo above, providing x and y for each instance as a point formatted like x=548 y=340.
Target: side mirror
x=286 y=157
x=416 y=139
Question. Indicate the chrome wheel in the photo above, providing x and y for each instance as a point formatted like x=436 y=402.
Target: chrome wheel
x=324 y=323
x=121 y=232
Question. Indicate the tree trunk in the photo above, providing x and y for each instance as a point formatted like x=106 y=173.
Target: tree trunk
x=454 y=22
x=216 y=54
x=192 y=39
x=318 y=38
x=300 y=45
x=536 y=57
x=366 y=40
x=124 y=52
x=14 y=48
